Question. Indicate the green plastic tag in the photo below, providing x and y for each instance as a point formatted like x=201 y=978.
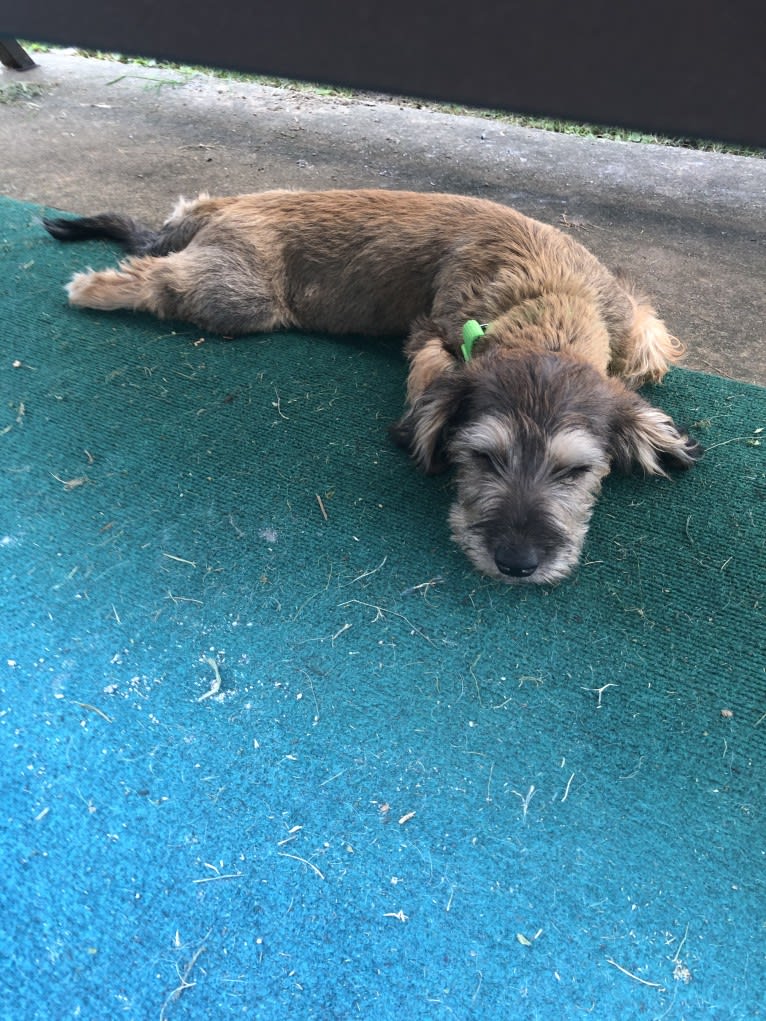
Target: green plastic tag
x=472 y=331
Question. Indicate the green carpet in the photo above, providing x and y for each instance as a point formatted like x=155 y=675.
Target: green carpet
x=417 y=789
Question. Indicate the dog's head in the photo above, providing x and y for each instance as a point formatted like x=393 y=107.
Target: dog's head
x=531 y=437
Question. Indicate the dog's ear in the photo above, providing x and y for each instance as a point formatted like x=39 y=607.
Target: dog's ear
x=645 y=436
x=423 y=430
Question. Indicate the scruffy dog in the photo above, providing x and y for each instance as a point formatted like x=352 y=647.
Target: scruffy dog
x=532 y=408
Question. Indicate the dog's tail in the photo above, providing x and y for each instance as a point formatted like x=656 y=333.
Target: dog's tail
x=134 y=237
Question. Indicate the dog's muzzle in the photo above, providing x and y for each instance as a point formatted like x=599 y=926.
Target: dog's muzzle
x=516 y=561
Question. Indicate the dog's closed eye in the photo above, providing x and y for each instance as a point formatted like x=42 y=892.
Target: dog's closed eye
x=574 y=471
x=486 y=460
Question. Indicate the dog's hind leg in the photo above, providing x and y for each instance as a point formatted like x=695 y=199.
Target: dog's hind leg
x=134 y=285
x=213 y=288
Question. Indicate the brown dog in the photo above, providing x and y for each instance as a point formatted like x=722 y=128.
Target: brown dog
x=532 y=409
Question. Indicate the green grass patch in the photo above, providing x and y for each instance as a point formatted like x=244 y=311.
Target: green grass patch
x=13 y=91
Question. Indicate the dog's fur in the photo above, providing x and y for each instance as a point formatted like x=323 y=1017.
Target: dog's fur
x=532 y=422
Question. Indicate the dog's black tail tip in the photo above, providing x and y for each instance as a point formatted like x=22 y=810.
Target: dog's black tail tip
x=60 y=228
x=127 y=232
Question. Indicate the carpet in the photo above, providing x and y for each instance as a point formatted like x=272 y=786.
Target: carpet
x=272 y=749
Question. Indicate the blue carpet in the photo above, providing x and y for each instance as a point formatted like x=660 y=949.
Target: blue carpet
x=416 y=790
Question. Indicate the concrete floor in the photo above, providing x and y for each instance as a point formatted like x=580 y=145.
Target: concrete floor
x=87 y=135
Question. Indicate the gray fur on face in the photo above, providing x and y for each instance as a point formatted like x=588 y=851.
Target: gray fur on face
x=530 y=440
x=524 y=501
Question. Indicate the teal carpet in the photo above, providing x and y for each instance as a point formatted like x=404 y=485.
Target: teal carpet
x=416 y=790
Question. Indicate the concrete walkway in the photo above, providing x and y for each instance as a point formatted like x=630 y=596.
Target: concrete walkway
x=87 y=135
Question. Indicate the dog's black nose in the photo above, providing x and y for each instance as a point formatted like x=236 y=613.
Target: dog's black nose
x=516 y=561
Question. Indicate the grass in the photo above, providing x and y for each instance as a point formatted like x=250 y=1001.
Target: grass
x=560 y=125
x=11 y=92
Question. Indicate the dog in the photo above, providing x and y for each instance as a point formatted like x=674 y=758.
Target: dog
x=524 y=350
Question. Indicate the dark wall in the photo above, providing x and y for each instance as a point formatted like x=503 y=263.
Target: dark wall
x=675 y=68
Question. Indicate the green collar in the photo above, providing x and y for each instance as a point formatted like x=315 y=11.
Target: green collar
x=472 y=331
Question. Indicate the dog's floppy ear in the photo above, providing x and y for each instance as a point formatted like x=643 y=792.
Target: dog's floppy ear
x=644 y=435
x=424 y=428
